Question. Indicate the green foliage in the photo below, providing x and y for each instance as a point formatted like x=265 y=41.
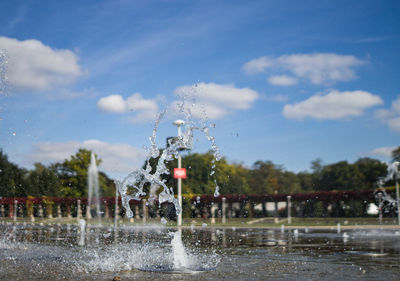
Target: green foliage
x=186 y=208
x=268 y=178
x=396 y=154
x=43 y=181
x=107 y=185
x=368 y=172
x=337 y=176
x=357 y=208
x=29 y=206
x=66 y=179
x=363 y=174
x=12 y=178
x=48 y=205
x=69 y=178
x=306 y=181
x=318 y=209
x=230 y=178
x=73 y=176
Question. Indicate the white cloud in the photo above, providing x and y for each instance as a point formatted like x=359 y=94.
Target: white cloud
x=3 y=71
x=34 y=66
x=145 y=109
x=112 y=103
x=137 y=103
x=319 y=68
x=216 y=100
x=383 y=151
x=332 y=106
x=282 y=80
x=203 y=99
x=258 y=65
x=116 y=158
x=391 y=116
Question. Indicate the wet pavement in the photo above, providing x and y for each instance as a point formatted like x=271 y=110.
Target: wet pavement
x=69 y=252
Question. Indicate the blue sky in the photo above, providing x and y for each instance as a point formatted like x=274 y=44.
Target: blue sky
x=286 y=81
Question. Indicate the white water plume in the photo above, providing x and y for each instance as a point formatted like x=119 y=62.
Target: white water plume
x=93 y=185
x=132 y=186
x=383 y=198
x=392 y=173
x=155 y=256
x=82 y=231
x=180 y=257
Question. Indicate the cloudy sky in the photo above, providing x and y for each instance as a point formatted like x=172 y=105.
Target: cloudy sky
x=286 y=81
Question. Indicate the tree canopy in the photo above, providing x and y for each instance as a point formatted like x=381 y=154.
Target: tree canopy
x=12 y=178
x=69 y=177
x=64 y=179
x=396 y=154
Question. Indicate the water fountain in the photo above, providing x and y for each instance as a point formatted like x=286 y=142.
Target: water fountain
x=385 y=201
x=210 y=253
x=132 y=187
x=49 y=251
x=93 y=187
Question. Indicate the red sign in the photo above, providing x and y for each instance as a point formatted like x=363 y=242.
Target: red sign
x=180 y=173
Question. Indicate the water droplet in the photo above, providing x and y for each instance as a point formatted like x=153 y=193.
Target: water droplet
x=216 y=192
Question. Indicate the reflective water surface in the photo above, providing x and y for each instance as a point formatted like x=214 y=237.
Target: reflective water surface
x=68 y=252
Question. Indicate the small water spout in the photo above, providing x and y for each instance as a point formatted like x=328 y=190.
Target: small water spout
x=345 y=237
x=93 y=187
x=180 y=257
x=82 y=232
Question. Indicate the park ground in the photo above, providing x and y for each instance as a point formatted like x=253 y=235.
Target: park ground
x=268 y=222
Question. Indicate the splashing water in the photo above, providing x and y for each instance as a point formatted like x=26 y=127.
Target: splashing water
x=132 y=186
x=386 y=199
x=82 y=230
x=181 y=260
x=392 y=173
x=148 y=249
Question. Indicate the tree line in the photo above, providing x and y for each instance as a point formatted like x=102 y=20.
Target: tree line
x=61 y=179
x=69 y=177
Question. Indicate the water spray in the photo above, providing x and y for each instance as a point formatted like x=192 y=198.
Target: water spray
x=132 y=187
